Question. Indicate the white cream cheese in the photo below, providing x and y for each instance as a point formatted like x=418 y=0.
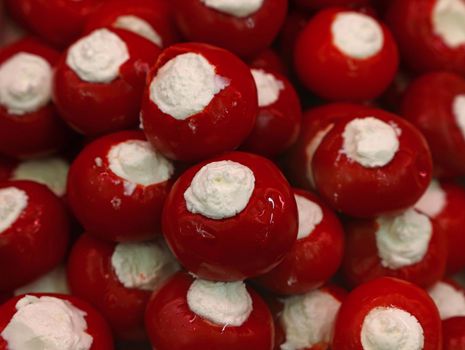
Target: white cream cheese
x=458 y=111
x=185 y=85
x=450 y=301
x=51 y=172
x=433 y=200
x=220 y=190
x=143 y=265
x=138 y=163
x=311 y=150
x=47 y=323
x=268 y=87
x=370 y=142
x=237 y=8
x=357 y=35
x=310 y=215
x=25 y=83
x=448 y=21
x=97 y=57
x=54 y=281
x=308 y=319
x=139 y=26
x=403 y=239
x=388 y=328
x=223 y=303
x=13 y=202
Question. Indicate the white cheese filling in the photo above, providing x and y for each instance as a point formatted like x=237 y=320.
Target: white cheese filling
x=51 y=172
x=97 y=57
x=185 y=85
x=308 y=319
x=370 y=142
x=268 y=87
x=433 y=201
x=47 y=323
x=357 y=35
x=223 y=303
x=458 y=111
x=388 y=328
x=403 y=240
x=448 y=21
x=310 y=215
x=13 y=202
x=220 y=190
x=25 y=83
x=139 y=26
x=54 y=281
x=138 y=163
x=143 y=265
x=449 y=301
x=237 y=8
x=311 y=150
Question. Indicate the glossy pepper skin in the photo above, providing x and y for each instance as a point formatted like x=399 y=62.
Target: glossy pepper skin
x=171 y=324
x=37 y=241
x=318 y=4
x=362 y=262
x=428 y=104
x=99 y=198
x=400 y=183
x=92 y=108
x=248 y=244
x=316 y=123
x=56 y=21
x=454 y=333
x=332 y=74
x=313 y=260
x=421 y=48
x=245 y=36
x=158 y=13
x=451 y=221
x=41 y=131
x=278 y=124
x=91 y=277
x=97 y=327
x=386 y=292
x=223 y=124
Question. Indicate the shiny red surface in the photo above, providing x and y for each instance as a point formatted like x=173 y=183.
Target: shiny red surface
x=97 y=108
x=314 y=120
x=96 y=195
x=317 y=4
x=331 y=74
x=158 y=13
x=36 y=242
x=35 y=133
x=395 y=186
x=221 y=126
x=171 y=324
x=453 y=333
x=386 y=292
x=277 y=126
x=244 y=36
x=58 y=21
x=246 y=245
x=91 y=277
x=451 y=222
x=313 y=260
x=268 y=60
x=428 y=104
x=362 y=262
x=277 y=307
x=97 y=327
x=421 y=49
